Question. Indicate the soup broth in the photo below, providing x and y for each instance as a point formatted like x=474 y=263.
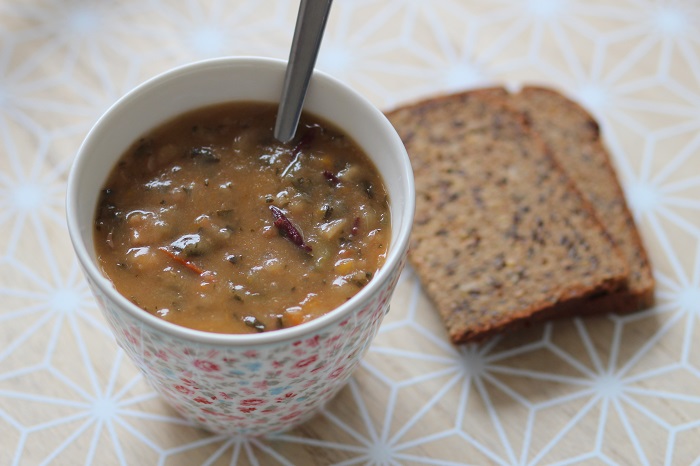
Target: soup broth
x=210 y=223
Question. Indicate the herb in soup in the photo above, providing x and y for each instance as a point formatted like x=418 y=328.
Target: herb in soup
x=210 y=223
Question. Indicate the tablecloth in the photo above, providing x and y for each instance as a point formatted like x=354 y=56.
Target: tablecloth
x=606 y=390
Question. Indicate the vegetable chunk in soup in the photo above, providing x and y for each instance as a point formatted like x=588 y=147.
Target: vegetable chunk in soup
x=210 y=223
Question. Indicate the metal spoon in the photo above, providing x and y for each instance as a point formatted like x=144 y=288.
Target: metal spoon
x=308 y=32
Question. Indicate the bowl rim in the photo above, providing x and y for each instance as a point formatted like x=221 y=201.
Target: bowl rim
x=394 y=257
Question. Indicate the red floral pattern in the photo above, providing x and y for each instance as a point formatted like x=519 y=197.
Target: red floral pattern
x=184 y=390
x=206 y=366
x=308 y=361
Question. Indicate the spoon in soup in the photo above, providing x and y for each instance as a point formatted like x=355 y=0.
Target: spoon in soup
x=308 y=32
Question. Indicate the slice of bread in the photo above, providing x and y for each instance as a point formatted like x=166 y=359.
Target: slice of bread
x=501 y=236
x=573 y=138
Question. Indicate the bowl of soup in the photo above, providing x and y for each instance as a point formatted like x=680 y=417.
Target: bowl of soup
x=243 y=276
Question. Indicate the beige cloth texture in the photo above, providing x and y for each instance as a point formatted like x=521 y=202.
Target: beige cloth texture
x=611 y=389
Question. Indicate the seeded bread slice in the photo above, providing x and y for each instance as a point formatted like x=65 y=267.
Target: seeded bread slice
x=573 y=138
x=501 y=236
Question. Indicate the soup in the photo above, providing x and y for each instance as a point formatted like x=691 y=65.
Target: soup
x=210 y=223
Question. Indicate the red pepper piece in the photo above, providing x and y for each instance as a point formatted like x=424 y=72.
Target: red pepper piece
x=193 y=267
x=287 y=229
x=355 y=227
x=331 y=177
x=305 y=140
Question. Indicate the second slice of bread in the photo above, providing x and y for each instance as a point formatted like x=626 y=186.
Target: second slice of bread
x=573 y=137
x=501 y=236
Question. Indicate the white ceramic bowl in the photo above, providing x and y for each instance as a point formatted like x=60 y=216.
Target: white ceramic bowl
x=241 y=384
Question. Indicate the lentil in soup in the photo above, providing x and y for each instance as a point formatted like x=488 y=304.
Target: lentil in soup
x=210 y=223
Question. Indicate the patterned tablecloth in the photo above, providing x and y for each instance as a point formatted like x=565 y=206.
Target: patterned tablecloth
x=602 y=390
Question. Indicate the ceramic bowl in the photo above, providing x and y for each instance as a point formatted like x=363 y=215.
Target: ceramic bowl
x=241 y=384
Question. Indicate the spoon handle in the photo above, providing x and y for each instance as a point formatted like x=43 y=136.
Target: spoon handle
x=308 y=33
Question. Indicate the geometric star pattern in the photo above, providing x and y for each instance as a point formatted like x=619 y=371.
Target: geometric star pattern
x=603 y=390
